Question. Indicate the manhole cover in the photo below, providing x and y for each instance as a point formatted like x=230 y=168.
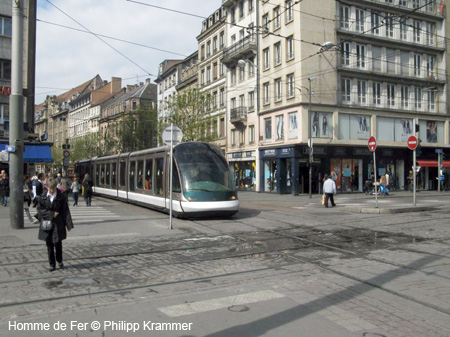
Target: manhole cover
x=238 y=308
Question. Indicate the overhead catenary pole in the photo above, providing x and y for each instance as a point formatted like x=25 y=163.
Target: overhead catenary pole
x=16 y=118
x=171 y=174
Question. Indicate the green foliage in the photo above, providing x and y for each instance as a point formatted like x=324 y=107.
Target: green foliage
x=138 y=130
x=85 y=147
x=190 y=112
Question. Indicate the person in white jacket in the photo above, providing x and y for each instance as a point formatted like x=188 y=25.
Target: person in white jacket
x=329 y=189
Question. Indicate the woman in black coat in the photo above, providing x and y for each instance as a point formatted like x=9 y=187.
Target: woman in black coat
x=87 y=189
x=52 y=205
x=4 y=188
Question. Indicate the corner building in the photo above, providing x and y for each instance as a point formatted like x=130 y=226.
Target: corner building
x=336 y=73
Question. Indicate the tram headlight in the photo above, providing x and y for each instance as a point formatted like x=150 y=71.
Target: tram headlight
x=192 y=199
x=233 y=197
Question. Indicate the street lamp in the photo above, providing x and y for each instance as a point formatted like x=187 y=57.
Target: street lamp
x=310 y=142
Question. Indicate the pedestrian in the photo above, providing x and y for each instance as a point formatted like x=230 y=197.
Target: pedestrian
x=52 y=206
x=64 y=186
x=4 y=188
x=27 y=196
x=76 y=186
x=87 y=189
x=383 y=185
x=329 y=189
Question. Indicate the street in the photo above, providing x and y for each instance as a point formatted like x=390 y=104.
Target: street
x=283 y=266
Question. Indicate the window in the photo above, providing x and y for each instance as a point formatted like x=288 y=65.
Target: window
x=430 y=5
x=389 y=23
x=208 y=48
x=268 y=129
x=361 y=56
x=321 y=124
x=215 y=44
x=390 y=60
x=431 y=99
x=233 y=15
x=222 y=97
x=5 y=69
x=345 y=17
x=391 y=95
x=241 y=137
x=418 y=98
x=376 y=93
x=375 y=23
x=208 y=74
x=376 y=58
x=251 y=64
x=241 y=8
x=266 y=93
x=222 y=127
x=251 y=134
x=403 y=30
x=278 y=90
x=360 y=18
x=353 y=126
x=280 y=127
x=250 y=6
x=417 y=26
x=202 y=56
x=140 y=174
x=215 y=99
x=233 y=137
x=222 y=39
x=404 y=57
x=346 y=90
x=394 y=129
x=289 y=11
x=415 y=4
x=290 y=85
x=233 y=75
x=266 y=58
x=293 y=125
x=362 y=92
x=5 y=26
x=417 y=64
x=251 y=101
x=431 y=29
x=431 y=61
x=233 y=103
x=276 y=18
x=202 y=77
x=242 y=101
x=241 y=73
x=405 y=97
x=345 y=54
x=290 y=47
x=132 y=176
x=431 y=131
x=265 y=24
x=159 y=176
x=277 y=50
x=215 y=70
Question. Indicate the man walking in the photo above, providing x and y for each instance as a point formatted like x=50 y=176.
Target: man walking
x=329 y=189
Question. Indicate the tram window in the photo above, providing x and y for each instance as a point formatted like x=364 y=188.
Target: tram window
x=122 y=181
x=140 y=174
x=132 y=176
x=113 y=175
x=108 y=175
x=102 y=175
x=159 y=176
x=148 y=174
x=97 y=175
x=176 y=187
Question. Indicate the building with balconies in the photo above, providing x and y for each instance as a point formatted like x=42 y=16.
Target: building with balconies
x=352 y=70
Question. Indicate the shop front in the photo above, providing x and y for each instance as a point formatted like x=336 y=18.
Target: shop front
x=243 y=168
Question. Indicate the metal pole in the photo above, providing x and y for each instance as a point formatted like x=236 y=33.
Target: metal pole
x=310 y=142
x=439 y=172
x=414 y=177
x=375 y=179
x=16 y=118
x=171 y=174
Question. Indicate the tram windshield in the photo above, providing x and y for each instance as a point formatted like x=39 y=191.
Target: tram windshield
x=203 y=168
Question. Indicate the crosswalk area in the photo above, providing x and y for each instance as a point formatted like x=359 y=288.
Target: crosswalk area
x=94 y=213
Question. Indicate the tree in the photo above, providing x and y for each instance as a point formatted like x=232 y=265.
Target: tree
x=190 y=112
x=86 y=147
x=139 y=129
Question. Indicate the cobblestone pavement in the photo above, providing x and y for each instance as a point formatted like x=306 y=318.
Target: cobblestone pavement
x=367 y=274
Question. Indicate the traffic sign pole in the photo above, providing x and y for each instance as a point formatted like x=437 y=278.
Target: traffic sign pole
x=414 y=177
x=171 y=174
x=372 y=147
x=439 y=172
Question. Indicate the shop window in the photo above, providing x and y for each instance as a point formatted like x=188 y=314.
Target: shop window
x=354 y=126
x=431 y=131
x=321 y=125
x=394 y=129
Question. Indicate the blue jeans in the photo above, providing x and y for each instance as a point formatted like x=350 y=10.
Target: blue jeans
x=5 y=200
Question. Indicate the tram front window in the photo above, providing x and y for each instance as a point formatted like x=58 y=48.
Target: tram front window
x=203 y=168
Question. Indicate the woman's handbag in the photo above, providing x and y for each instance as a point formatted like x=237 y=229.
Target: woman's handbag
x=46 y=225
x=323 y=199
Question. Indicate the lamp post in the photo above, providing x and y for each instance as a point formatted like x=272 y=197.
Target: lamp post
x=310 y=141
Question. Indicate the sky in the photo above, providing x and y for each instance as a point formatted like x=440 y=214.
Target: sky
x=67 y=57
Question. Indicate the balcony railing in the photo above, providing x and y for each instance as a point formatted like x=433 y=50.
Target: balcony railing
x=238 y=115
x=239 y=49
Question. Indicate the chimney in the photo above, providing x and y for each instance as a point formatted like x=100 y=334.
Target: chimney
x=116 y=84
x=141 y=84
x=130 y=87
x=147 y=81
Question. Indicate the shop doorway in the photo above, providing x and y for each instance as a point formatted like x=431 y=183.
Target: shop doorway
x=270 y=175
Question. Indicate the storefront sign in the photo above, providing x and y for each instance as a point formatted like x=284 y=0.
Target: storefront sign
x=236 y=155
x=269 y=153
x=317 y=150
x=388 y=153
x=287 y=152
x=6 y=91
x=340 y=151
x=358 y=151
x=248 y=154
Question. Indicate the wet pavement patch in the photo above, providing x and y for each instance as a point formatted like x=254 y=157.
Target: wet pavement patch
x=78 y=281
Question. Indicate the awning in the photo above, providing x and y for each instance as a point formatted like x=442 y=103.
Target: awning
x=34 y=153
x=432 y=163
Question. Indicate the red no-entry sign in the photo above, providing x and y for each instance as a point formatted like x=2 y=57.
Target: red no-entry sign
x=372 y=143
x=412 y=142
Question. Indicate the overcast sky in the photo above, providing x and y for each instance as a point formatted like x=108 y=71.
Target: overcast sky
x=66 y=57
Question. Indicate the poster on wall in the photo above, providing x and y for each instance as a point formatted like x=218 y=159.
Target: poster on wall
x=321 y=125
x=347 y=175
x=293 y=126
x=431 y=132
x=363 y=131
x=406 y=129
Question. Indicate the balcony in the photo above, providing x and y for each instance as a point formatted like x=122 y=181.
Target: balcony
x=238 y=116
x=241 y=49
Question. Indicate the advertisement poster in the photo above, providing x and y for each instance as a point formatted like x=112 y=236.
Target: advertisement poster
x=431 y=132
x=406 y=129
x=321 y=125
x=364 y=127
x=347 y=175
x=293 y=126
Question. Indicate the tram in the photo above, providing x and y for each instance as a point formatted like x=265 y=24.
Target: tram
x=202 y=183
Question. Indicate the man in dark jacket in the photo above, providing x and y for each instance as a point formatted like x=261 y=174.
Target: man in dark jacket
x=52 y=205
